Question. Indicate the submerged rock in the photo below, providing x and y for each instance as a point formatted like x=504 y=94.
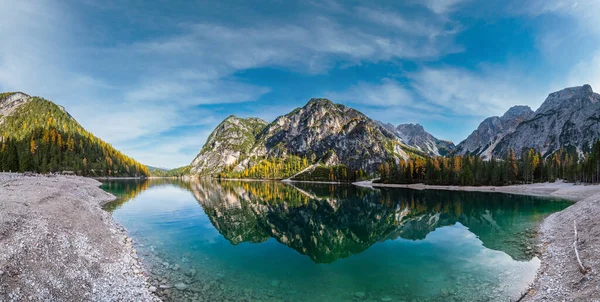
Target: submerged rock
x=181 y=286
x=191 y=273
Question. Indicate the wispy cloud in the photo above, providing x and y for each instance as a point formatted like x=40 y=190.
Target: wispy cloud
x=484 y=92
x=386 y=94
x=311 y=46
x=442 y=6
x=412 y=25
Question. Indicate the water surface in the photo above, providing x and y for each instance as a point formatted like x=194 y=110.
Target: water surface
x=269 y=241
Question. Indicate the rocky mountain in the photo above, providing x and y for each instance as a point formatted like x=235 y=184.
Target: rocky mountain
x=569 y=118
x=321 y=132
x=228 y=144
x=39 y=136
x=414 y=135
x=491 y=131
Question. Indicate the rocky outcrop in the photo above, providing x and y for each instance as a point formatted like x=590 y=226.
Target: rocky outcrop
x=415 y=136
x=232 y=140
x=569 y=118
x=10 y=101
x=491 y=131
x=321 y=131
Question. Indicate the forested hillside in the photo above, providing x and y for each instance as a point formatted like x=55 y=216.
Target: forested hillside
x=177 y=172
x=39 y=136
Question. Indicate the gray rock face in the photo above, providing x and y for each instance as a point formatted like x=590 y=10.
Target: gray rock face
x=227 y=144
x=491 y=131
x=414 y=135
x=320 y=131
x=569 y=118
x=9 y=102
x=328 y=132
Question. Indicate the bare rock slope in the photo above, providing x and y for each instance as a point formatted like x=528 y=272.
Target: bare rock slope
x=57 y=244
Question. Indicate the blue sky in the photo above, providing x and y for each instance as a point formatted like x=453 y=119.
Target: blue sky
x=154 y=78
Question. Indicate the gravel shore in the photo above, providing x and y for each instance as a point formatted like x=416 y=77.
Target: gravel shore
x=57 y=244
x=559 y=277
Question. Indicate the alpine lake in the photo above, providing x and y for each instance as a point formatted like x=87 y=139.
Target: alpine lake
x=212 y=240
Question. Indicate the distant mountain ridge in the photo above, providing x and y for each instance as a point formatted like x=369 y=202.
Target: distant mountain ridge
x=414 y=135
x=569 y=118
x=326 y=134
x=492 y=130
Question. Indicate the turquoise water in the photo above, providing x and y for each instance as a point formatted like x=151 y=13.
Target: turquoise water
x=269 y=241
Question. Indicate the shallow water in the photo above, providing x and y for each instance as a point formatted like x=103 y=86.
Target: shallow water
x=269 y=241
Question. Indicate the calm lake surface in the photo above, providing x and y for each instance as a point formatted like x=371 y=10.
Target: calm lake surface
x=270 y=241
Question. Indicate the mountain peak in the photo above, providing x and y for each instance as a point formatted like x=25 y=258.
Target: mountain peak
x=319 y=102
x=492 y=130
x=518 y=111
x=577 y=91
x=414 y=135
x=567 y=96
x=236 y=119
x=16 y=94
x=411 y=126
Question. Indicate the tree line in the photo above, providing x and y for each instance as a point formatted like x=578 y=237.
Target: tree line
x=337 y=173
x=531 y=166
x=268 y=168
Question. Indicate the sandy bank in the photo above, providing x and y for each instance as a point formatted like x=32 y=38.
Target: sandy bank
x=558 y=278
x=57 y=244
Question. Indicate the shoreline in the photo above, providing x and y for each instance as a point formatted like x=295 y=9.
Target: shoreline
x=559 y=277
x=57 y=243
x=558 y=189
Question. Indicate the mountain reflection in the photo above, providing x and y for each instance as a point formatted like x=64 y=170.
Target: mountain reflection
x=330 y=222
